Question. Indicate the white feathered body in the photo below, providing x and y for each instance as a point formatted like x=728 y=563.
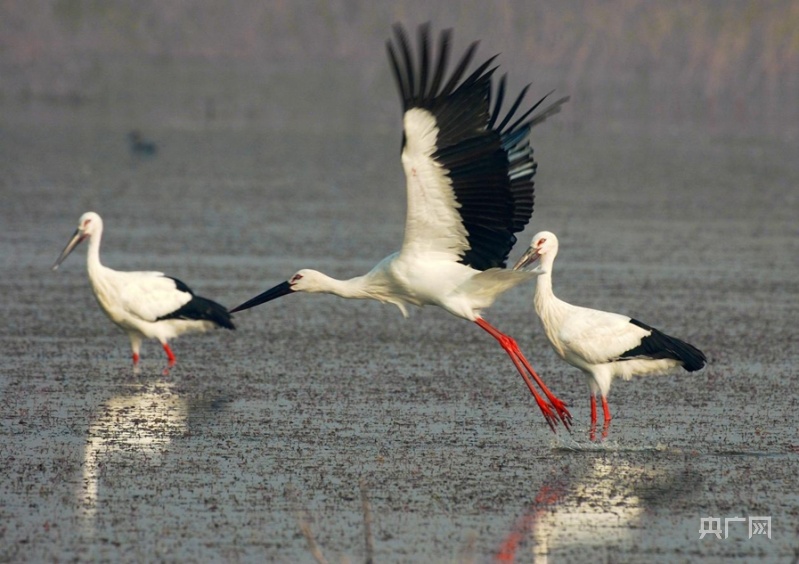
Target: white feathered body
x=594 y=340
x=431 y=278
x=135 y=300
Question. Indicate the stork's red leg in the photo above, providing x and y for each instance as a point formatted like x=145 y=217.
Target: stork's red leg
x=606 y=410
x=546 y=409
x=592 y=432
x=510 y=346
x=169 y=354
x=135 y=359
x=560 y=406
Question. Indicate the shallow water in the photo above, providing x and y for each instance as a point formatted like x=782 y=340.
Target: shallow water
x=281 y=421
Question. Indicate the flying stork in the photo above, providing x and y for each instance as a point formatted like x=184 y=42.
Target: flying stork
x=469 y=176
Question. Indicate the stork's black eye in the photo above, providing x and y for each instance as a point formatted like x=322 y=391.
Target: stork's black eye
x=295 y=278
x=541 y=242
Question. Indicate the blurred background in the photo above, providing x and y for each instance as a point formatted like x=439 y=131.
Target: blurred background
x=728 y=66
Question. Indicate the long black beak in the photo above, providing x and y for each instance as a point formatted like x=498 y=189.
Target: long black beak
x=271 y=294
x=77 y=237
x=529 y=257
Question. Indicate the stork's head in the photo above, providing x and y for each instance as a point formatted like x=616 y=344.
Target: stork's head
x=305 y=280
x=544 y=245
x=89 y=224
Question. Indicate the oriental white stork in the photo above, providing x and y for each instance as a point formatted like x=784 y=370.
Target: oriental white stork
x=601 y=344
x=144 y=304
x=469 y=180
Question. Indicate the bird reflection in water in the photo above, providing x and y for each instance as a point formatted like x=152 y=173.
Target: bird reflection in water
x=603 y=507
x=132 y=429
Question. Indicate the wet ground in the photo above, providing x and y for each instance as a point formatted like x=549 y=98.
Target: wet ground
x=316 y=400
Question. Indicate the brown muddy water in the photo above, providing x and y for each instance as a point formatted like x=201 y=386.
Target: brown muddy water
x=255 y=432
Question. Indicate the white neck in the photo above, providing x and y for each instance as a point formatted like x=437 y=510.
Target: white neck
x=374 y=285
x=93 y=253
x=355 y=288
x=547 y=305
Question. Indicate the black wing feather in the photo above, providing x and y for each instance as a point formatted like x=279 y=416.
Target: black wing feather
x=199 y=308
x=424 y=58
x=659 y=345
x=498 y=103
x=441 y=67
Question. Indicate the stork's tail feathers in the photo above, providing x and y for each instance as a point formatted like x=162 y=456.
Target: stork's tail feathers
x=215 y=312
x=203 y=309
x=660 y=345
x=691 y=357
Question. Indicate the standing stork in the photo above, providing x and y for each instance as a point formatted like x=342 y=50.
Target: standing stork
x=601 y=344
x=470 y=189
x=143 y=304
